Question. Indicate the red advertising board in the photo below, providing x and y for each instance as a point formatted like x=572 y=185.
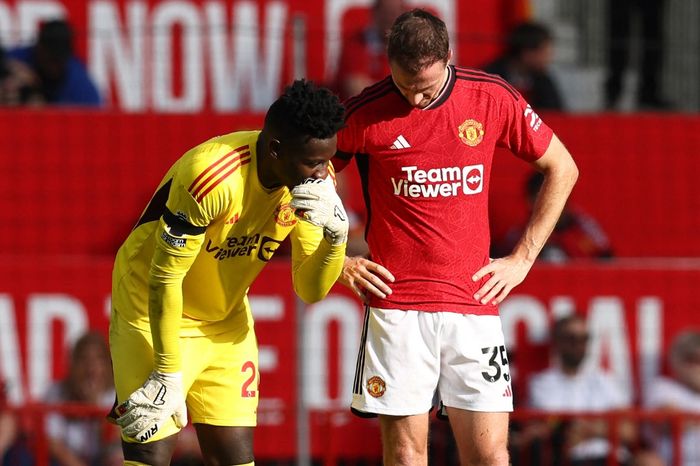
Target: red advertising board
x=308 y=353
x=76 y=180
x=46 y=303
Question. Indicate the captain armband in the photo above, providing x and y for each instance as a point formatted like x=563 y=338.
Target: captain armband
x=177 y=229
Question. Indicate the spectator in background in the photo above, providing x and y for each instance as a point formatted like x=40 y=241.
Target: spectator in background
x=61 y=78
x=363 y=58
x=84 y=441
x=8 y=424
x=569 y=385
x=620 y=17
x=13 y=452
x=525 y=64
x=576 y=235
x=18 y=83
x=680 y=392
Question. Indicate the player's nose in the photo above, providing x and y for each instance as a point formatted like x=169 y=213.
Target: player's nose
x=417 y=99
x=321 y=173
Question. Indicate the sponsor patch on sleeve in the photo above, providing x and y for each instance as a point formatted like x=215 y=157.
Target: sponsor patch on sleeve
x=173 y=241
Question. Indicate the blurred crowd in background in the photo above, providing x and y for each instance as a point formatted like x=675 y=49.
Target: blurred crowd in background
x=537 y=59
x=574 y=56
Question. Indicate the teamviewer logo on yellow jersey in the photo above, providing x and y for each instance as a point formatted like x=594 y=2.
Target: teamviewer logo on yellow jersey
x=268 y=246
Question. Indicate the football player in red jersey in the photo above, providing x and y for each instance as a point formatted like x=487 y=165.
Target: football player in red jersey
x=423 y=139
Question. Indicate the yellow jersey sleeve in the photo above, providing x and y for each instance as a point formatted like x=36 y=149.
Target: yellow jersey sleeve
x=193 y=203
x=197 y=194
x=316 y=264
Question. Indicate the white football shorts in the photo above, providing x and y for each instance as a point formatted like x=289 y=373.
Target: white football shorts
x=406 y=357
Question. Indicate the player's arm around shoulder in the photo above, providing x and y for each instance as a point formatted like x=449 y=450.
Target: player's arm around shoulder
x=319 y=238
x=560 y=175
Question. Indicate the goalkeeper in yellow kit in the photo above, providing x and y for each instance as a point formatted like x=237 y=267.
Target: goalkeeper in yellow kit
x=181 y=331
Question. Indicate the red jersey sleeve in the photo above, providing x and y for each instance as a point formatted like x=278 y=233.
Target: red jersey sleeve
x=350 y=142
x=523 y=131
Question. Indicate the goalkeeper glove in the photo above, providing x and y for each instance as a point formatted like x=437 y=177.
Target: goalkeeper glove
x=317 y=202
x=149 y=407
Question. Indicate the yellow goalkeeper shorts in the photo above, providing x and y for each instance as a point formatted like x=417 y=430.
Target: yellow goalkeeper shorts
x=219 y=372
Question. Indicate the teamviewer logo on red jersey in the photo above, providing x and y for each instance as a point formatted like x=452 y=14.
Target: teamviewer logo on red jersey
x=439 y=182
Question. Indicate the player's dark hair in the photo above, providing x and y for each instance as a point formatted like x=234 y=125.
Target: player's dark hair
x=527 y=36
x=307 y=111
x=418 y=39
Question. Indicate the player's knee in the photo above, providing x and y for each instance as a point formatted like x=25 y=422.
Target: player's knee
x=485 y=456
x=231 y=447
x=408 y=457
x=409 y=454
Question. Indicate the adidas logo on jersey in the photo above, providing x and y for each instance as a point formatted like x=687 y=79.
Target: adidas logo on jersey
x=508 y=393
x=400 y=143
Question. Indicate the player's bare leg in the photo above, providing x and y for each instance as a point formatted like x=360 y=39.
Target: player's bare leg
x=405 y=440
x=225 y=446
x=482 y=438
x=156 y=453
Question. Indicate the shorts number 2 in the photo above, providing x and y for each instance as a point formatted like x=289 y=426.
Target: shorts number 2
x=245 y=393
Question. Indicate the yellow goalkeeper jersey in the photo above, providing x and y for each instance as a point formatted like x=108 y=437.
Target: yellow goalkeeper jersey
x=207 y=232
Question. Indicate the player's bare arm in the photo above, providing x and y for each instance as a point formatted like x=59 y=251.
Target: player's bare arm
x=363 y=276
x=560 y=174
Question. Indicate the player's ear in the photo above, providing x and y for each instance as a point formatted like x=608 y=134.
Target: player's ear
x=449 y=56
x=274 y=147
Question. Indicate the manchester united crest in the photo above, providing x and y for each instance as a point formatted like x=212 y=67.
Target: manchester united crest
x=471 y=132
x=376 y=386
x=284 y=215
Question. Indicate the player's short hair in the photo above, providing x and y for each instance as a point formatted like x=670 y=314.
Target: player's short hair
x=527 y=36
x=418 y=39
x=305 y=111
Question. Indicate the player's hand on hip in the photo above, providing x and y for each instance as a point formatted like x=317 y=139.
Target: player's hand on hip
x=363 y=276
x=161 y=397
x=503 y=274
x=316 y=201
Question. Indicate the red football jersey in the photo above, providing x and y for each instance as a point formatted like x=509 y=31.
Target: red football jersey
x=425 y=176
